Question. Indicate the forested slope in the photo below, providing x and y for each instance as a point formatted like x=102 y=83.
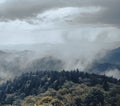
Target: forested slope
x=69 y=88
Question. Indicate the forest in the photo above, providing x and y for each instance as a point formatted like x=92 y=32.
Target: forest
x=60 y=88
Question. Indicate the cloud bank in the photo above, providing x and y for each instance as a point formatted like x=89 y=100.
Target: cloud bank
x=24 y=9
x=76 y=31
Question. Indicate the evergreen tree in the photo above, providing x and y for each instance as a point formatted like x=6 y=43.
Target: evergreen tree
x=105 y=85
x=95 y=98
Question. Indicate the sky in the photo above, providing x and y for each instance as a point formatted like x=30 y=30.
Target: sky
x=77 y=31
x=59 y=21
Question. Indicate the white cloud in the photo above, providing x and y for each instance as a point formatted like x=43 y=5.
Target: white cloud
x=52 y=26
x=2 y=1
x=47 y=28
x=113 y=73
x=63 y=14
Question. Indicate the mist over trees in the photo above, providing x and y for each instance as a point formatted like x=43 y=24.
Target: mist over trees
x=14 y=63
x=59 y=53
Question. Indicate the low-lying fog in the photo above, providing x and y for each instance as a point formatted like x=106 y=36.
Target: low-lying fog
x=75 y=52
x=58 y=34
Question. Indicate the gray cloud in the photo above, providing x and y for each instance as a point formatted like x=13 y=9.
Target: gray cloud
x=109 y=15
x=76 y=44
x=15 y=9
x=22 y=9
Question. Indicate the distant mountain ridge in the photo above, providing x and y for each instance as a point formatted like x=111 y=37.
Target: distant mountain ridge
x=12 y=62
x=111 y=61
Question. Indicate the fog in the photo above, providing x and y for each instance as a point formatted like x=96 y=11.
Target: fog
x=56 y=35
x=74 y=52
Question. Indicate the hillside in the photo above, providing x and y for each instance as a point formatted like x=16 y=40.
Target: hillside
x=66 y=88
x=14 y=63
x=110 y=62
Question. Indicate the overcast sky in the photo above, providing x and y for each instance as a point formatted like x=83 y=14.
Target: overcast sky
x=59 y=21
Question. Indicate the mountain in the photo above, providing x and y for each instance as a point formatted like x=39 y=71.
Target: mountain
x=110 y=61
x=45 y=63
x=65 y=88
x=14 y=63
x=31 y=79
x=112 y=57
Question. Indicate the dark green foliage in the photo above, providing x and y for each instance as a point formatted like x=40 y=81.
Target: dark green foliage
x=105 y=85
x=95 y=98
x=78 y=102
x=35 y=83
